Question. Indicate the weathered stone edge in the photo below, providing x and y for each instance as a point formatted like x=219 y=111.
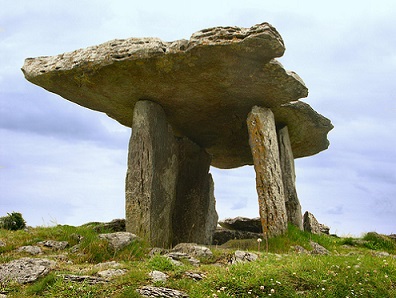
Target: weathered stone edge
x=141 y=48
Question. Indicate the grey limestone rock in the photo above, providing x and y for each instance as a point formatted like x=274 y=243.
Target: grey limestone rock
x=242 y=224
x=207 y=85
x=193 y=249
x=57 y=245
x=318 y=249
x=149 y=291
x=119 y=240
x=243 y=257
x=25 y=270
x=33 y=250
x=312 y=225
x=265 y=151
x=158 y=276
x=110 y=273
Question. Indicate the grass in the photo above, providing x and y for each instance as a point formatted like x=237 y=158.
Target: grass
x=355 y=268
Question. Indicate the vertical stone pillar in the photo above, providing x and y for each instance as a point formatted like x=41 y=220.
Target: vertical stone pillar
x=264 y=145
x=293 y=207
x=195 y=217
x=151 y=176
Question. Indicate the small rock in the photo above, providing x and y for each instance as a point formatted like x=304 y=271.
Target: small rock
x=84 y=278
x=318 y=249
x=243 y=256
x=193 y=250
x=149 y=291
x=58 y=245
x=177 y=256
x=25 y=270
x=194 y=276
x=109 y=273
x=2 y=243
x=119 y=240
x=158 y=276
x=299 y=249
x=106 y=265
x=157 y=251
x=33 y=250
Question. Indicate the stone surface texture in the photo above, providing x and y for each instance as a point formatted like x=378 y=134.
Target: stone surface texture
x=193 y=249
x=150 y=291
x=169 y=191
x=25 y=270
x=292 y=203
x=31 y=249
x=57 y=245
x=312 y=225
x=243 y=257
x=194 y=215
x=151 y=176
x=265 y=152
x=242 y=224
x=119 y=240
x=207 y=85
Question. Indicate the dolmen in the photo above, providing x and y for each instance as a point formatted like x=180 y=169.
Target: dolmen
x=219 y=99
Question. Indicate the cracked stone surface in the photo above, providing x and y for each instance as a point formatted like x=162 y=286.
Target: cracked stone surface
x=207 y=85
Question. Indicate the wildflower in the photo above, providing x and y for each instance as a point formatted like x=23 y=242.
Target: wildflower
x=272 y=291
x=278 y=282
x=262 y=288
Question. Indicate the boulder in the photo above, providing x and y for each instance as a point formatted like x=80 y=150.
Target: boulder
x=207 y=85
x=242 y=224
x=312 y=225
x=119 y=240
x=222 y=235
x=25 y=270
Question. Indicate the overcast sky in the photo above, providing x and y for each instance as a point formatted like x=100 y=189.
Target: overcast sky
x=64 y=164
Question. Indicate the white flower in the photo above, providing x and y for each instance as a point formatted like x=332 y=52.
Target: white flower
x=259 y=240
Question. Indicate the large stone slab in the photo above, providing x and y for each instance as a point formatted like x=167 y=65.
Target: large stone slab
x=292 y=203
x=207 y=86
x=151 y=176
x=265 y=151
x=194 y=214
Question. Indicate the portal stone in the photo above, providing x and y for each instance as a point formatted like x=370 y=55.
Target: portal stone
x=265 y=151
x=293 y=207
x=151 y=176
x=195 y=217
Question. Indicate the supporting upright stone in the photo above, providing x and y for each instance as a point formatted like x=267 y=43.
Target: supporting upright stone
x=265 y=151
x=151 y=176
x=293 y=207
x=195 y=217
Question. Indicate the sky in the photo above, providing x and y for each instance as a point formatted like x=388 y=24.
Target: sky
x=64 y=164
